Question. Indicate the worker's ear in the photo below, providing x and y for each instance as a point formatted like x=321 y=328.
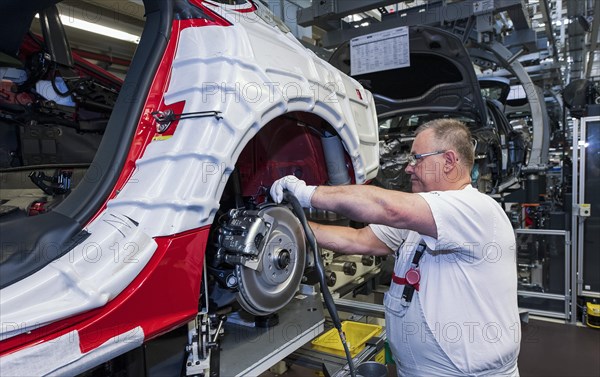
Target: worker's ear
x=450 y=159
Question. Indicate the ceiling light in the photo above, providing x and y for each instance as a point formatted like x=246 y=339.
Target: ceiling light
x=98 y=29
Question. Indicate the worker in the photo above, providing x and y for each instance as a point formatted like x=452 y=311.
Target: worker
x=451 y=309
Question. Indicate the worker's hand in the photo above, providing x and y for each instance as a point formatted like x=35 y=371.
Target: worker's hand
x=294 y=185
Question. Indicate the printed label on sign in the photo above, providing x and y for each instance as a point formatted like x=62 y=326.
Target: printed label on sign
x=380 y=51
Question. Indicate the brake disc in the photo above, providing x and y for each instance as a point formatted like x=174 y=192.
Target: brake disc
x=271 y=286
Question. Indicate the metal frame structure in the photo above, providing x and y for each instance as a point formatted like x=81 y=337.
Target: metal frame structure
x=577 y=228
x=541 y=126
x=252 y=350
x=569 y=297
x=326 y=14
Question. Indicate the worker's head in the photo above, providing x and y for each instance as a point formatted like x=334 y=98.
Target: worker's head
x=441 y=156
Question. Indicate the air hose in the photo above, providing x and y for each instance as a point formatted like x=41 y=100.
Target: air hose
x=327 y=299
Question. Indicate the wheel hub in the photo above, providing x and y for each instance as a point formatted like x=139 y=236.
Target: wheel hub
x=267 y=289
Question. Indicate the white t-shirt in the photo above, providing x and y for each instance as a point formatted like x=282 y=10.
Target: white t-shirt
x=468 y=290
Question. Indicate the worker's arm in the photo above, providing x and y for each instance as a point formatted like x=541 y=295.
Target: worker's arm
x=348 y=240
x=368 y=204
x=374 y=205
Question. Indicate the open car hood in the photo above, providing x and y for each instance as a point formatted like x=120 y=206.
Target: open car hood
x=440 y=78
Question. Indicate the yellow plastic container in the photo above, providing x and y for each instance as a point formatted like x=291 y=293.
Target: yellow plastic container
x=380 y=357
x=593 y=315
x=357 y=335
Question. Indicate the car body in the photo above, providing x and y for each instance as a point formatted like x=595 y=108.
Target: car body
x=440 y=81
x=220 y=101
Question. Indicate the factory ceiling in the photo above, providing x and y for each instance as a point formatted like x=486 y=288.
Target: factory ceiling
x=556 y=41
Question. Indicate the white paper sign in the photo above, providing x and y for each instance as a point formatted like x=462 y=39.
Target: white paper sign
x=380 y=51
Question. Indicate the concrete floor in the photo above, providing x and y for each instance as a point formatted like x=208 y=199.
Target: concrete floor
x=556 y=349
x=547 y=349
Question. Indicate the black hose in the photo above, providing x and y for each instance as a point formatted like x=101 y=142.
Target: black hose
x=327 y=299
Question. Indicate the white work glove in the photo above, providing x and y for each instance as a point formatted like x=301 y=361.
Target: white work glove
x=294 y=185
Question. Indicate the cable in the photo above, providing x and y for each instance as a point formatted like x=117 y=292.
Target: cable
x=55 y=87
x=329 y=304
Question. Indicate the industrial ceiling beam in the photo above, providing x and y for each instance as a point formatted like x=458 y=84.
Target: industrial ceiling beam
x=517 y=11
x=435 y=13
x=543 y=74
x=523 y=38
x=432 y=14
x=322 y=13
x=545 y=70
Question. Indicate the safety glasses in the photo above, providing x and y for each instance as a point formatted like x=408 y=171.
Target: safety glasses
x=414 y=159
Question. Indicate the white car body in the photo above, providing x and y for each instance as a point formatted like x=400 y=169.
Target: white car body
x=251 y=72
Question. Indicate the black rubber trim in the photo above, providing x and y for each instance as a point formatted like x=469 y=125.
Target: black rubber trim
x=102 y=176
x=48 y=237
